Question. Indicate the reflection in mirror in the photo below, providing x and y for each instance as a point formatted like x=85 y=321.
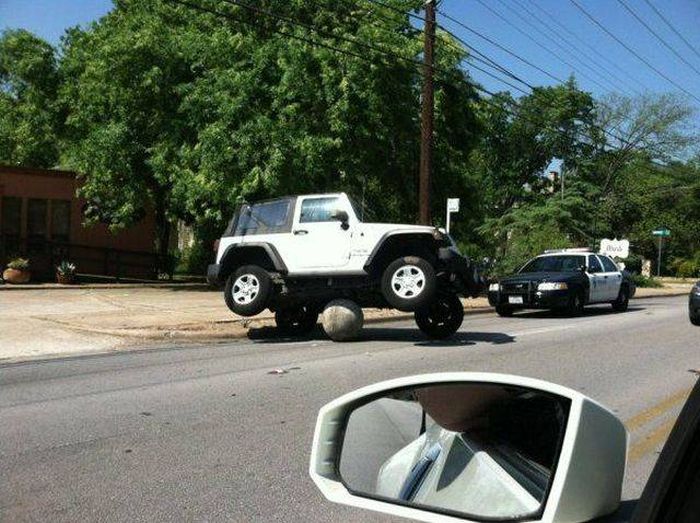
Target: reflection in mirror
x=481 y=450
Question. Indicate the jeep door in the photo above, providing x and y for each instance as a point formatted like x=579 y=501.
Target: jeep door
x=320 y=240
x=596 y=277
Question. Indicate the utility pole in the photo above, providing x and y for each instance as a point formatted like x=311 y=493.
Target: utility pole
x=427 y=115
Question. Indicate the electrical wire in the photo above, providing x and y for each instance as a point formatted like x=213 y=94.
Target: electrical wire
x=656 y=35
x=670 y=26
x=572 y=50
x=631 y=51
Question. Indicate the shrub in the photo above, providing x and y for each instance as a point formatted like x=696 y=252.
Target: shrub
x=643 y=281
x=194 y=260
x=19 y=264
x=687 y=269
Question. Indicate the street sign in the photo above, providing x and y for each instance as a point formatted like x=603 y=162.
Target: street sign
x=615 y=248
x=452 y=206
x=663 y=233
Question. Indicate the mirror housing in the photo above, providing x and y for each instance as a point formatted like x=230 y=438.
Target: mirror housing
x=587 y=475
x=341 y=216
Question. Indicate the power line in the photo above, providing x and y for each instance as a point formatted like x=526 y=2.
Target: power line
x=659 y=38
x=475 y=53
x=539 y=44
x=501 y=47
x=632 y=51
x=365 y=58
x=670 y=26
x=600 y=56
x=595 y=66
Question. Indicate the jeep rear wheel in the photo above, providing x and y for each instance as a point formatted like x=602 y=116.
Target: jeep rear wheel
x=442 y=318
x=409 y=283
x=296 y=321
x=247 y=290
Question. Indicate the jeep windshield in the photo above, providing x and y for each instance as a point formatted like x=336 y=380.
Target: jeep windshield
x=567 y=263
x=269 y=217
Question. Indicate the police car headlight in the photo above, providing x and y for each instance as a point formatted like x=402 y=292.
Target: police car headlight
x=696 y=290
x=552 y=286
x=495 y=287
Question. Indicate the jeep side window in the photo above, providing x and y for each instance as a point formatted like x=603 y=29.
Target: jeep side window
x=608 y=264
x=594 y=265
x=318 y=209
x=265 y=218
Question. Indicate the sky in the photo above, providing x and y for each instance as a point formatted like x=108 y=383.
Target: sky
x=608 y=62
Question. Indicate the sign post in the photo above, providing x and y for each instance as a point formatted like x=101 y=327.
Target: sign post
x=452 y=206
x=662 y=233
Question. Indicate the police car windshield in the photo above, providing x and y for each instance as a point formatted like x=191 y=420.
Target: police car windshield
x=561 y=263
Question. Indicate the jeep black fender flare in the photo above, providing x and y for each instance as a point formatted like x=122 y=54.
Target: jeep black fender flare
x=254 y=253
x=401 y=243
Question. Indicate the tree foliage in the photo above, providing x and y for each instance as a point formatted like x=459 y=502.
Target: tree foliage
x=28 y=116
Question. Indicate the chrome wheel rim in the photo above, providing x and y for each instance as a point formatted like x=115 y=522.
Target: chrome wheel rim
x=245 y=289
x=408 y=281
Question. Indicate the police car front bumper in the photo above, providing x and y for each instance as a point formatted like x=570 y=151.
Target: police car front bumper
x=557 y=299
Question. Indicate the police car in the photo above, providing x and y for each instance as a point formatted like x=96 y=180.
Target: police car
x=567 y=280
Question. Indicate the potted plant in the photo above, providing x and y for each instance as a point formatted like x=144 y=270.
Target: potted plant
x=65 y=272
x=17 y=271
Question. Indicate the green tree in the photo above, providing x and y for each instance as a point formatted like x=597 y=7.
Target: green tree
x=28 y=116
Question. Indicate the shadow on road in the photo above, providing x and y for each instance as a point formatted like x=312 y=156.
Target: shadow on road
x=587 y=312
x=272 y=335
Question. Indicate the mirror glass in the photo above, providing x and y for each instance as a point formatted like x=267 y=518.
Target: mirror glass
x=480 y=451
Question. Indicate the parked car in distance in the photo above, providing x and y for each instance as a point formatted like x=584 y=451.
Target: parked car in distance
x=694 y=304
x=566 y=280
x=294 y=255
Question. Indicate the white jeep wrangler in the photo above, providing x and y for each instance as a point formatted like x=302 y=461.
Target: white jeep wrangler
x=293 y=255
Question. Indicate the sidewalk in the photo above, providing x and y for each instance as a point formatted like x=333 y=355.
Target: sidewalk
x=64 y=321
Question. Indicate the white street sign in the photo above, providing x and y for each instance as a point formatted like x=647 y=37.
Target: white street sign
x=615 y=248
x=452 y=206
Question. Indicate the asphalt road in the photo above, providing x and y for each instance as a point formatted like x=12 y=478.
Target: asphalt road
x=206 y=433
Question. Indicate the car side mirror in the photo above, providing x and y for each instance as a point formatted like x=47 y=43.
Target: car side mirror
x=342 y=217
x=470 y=447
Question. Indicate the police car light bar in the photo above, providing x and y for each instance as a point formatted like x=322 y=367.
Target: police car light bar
x=577 y=249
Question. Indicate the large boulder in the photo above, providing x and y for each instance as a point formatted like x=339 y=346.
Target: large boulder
x=342 y=320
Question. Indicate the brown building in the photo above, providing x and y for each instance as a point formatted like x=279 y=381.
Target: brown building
x=42 y=219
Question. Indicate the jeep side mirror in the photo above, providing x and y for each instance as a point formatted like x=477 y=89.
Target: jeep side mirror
x=470 y=446
x=342 y=217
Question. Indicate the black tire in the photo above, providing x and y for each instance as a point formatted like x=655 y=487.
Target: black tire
x=575 y=305
x=296 y=321
x=246 y=303
x=504 y=311
x=442 y=318
x=695 y=320
x=410 y=297
x=622 y=301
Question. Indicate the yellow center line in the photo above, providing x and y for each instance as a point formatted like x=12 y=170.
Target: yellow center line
x=655 y=411
x=659 y=434
x=650 y=442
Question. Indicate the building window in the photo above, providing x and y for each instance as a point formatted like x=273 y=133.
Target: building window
x=36 y=225
x=60 y=220
x=11 y=216
x=11 y=226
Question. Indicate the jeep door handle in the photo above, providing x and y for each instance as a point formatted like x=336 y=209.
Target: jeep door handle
x=301 y=231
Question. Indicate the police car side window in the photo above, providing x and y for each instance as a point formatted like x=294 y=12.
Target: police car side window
x=608 y=264
x=594 y=265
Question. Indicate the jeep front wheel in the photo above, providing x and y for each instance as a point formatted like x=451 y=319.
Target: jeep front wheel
x=442 y=318
x=247 y=290
x=409 y=283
